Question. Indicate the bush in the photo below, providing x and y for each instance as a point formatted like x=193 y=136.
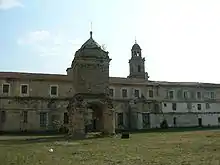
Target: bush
x=63 y=129
x=164 y=124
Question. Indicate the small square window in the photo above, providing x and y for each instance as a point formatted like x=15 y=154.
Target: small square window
x=151 y=93
x=136 y=93
x=24 y=89
x=199 y=95
x=212 y=95
x=5 y=88
x=186 y=94
x=171 y=94
x=207 y=105
x=124 y=93
x=53 y=90
x=111 y=92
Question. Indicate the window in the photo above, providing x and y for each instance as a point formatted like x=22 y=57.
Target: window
x=171 y=94
x=3 y=116
x=5 y=88
x=199 y=107
x=174 y=121
x=43 y=119
x=150 y=106
x=185 y=94
x=165 y=105
x=136 y=93
x=218 y=120
x=157 y=108
x=25 y=116
x=24 y=89
x=120 y=119
x=189 y=106
x=174 y=106
x=53 y=90
x=145 y=120
x=212 y=95
x=124 y=93
x=199 y=95
x=111 y=92
x=66 y=118
x=207 y=105
x=151 y=93
x=139 y=68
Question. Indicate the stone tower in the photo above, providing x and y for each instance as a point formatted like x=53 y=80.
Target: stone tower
x=90 y=68
x=137 y=63
x=90 y=78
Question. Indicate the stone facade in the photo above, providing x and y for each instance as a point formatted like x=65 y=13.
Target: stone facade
x=32 y=102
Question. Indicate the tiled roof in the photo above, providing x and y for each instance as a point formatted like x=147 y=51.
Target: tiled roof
x=113 y=80
x=33 y=76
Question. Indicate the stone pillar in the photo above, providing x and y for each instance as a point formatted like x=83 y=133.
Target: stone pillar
x=77 y=109
x=77 y=125
x=109 y=121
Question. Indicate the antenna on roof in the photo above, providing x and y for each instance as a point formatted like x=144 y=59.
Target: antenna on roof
x=91 y=26
x=135 y=40
x=91 y=30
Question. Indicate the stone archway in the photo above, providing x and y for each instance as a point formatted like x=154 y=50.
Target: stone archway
x=102 y=111
x=96 y=116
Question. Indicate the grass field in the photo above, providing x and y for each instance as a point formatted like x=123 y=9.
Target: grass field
x=168 y=148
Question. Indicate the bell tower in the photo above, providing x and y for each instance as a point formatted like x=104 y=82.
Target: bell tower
x=137 y=63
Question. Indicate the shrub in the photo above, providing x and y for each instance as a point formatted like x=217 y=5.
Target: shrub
x=164 y=124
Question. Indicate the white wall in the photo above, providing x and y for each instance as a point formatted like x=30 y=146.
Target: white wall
x=209 y=119
x=184 y=120
x=182 y=107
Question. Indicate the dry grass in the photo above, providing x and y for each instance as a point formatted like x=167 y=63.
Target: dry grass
x=177 y=148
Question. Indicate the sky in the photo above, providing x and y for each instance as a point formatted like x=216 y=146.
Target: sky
x=180 y=39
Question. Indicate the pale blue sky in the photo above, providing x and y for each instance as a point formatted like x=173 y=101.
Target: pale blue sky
x=180 y=39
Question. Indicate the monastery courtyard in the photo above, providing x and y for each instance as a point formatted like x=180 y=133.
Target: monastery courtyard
x=161 y=148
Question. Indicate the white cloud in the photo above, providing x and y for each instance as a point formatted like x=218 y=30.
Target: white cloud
x=43 y=43
x=34 y=37
x=8 y=4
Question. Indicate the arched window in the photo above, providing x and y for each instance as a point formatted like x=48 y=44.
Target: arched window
x=139 y=68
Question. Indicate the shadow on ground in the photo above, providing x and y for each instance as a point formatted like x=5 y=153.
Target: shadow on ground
x=182 y=129
x=27 y=138
x=20 y=140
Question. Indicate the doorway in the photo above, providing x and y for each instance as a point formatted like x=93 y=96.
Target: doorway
x=200 y=122
x=174 y=121
x=95 y=121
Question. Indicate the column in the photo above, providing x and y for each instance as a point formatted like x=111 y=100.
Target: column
x=109 y=121
x=78 y=125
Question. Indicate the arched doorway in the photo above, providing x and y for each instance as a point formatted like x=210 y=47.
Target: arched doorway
x=95 y=121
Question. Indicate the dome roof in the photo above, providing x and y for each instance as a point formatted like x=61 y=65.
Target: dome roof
x=136 y=47
x=90 y=43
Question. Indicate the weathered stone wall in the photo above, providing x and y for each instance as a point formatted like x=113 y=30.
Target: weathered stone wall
x=37 y=88
x=14 y=120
